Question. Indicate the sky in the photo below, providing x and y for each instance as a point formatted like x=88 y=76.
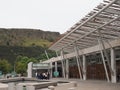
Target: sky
x=47 y=15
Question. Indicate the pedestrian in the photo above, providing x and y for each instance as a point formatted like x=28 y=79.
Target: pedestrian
x=36 y=75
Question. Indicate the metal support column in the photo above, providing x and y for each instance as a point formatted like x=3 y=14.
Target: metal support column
x=77 y=58
x=51 y=70
x=113 y=66
x=56 y=66
x=62 y=58
x=84 y=68
x=67 y=68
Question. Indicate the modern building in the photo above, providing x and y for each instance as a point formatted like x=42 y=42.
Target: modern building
x=90 y=49
x=38 y=68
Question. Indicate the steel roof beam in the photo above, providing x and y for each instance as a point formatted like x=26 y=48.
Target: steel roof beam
x=85 y=21
x=92 y=31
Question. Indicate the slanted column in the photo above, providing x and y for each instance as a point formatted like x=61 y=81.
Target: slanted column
x=113 y=66
x=67 y=68
x=103 y=59
x=84 y=68
x=77 y=58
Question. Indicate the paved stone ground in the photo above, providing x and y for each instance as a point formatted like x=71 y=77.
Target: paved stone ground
x=88 y=84
x=92 y=84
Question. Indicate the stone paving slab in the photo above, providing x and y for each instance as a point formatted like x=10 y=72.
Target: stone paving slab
x=3 y=85
x=92 y=84
x=84 y=85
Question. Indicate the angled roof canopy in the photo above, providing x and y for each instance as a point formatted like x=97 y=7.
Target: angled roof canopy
x=105 y=18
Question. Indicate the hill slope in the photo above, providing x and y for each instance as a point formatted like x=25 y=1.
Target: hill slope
x=25 y=42
x=26 y=37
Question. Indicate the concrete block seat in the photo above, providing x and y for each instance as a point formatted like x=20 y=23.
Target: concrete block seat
x=39 y=85
x=3 y=86
x=65 y=86
x=23 y=81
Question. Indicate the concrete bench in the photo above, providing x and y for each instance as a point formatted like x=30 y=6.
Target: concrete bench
x=38 y=85
x=3 y=86
x=65 y=86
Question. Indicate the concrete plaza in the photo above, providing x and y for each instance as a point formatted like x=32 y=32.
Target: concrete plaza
x=91 y=84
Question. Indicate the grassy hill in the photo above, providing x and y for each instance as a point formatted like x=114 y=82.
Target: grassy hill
x=36 y=42
x=25 y=42
x=26 y=37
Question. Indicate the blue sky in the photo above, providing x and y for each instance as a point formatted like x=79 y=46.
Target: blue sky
x=47 y=15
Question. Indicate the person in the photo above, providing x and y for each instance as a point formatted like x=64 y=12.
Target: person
x=118 y=78
x=40 y=76
x=48 y=75
x=36 y=75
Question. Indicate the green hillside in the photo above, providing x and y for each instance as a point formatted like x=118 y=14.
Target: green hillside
x=36 y=42
x=21 y=37
x=25 y=42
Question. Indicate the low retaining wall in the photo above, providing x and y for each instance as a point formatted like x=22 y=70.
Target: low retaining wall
x=21 y=79
x=38 y=84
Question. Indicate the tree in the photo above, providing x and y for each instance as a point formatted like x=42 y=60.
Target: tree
x=22 y=62
x=21 y=68
x=5 y=66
